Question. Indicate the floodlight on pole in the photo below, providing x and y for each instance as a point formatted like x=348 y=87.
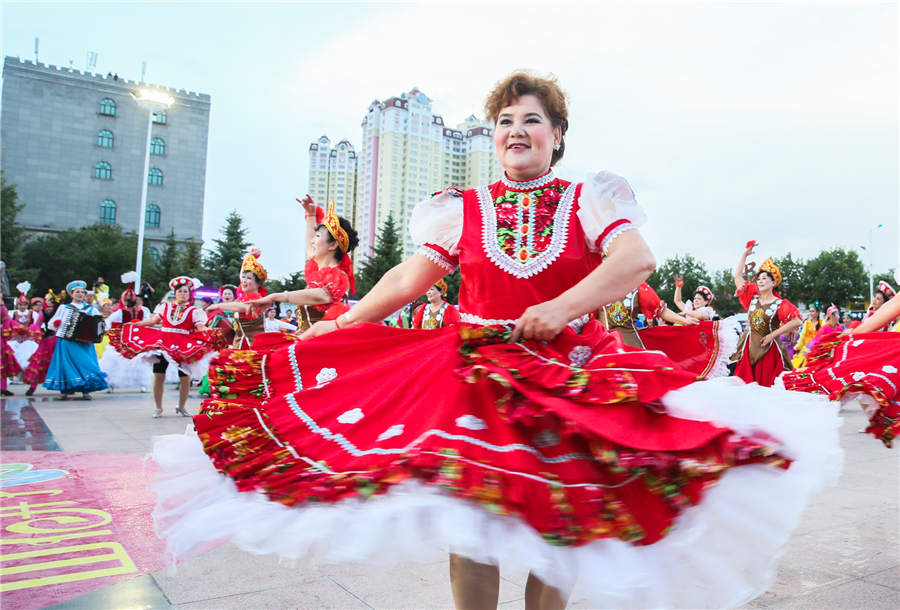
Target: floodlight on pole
x=154 y=99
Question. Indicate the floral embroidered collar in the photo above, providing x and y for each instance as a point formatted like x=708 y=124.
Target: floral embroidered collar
x=528 y=185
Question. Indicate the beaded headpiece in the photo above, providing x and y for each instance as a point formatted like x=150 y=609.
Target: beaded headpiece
x=75 y=284
x=182 y=280
x=772 y=269
x=886 y=289
x=705 y=292
x=333 y=224
x=251 y=263
x=442 y=286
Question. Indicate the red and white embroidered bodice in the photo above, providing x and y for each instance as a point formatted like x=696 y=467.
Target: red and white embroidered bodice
x=180 y=317
x=522 y=243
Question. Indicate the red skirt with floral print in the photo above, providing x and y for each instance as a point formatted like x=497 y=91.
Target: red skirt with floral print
x=864 y=366
x=131 y=340
x=568 y=436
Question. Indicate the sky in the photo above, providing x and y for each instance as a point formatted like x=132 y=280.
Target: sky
x=776 y=122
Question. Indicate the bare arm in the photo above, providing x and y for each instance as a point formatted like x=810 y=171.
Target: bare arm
x=396 y=288
x=670 y=316
x=234 y=306
x=309 y=209
x=151 y=321
x=307 y=296
x=679 y=302
x=781 y=330
x=739 y=270
x=627 y=264
x=886 y=314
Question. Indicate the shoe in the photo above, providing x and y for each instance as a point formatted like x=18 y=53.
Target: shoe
x=182 y=412
x=29 y=392
x=86 y=396
x=143 y=389
x=157 y=414
x=6 y=393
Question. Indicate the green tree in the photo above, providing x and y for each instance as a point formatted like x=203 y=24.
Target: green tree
x=388 y=253
x=12 y=234
x=722 y=285
x=453 y=282
x=836 y=276
x=692 y=271
x=795 y=283
x=190 y=260
x=223 y=263
x=293 y=281
x=85 y=253
x=168 y=260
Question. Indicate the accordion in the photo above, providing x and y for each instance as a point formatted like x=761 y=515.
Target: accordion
x=79 y=326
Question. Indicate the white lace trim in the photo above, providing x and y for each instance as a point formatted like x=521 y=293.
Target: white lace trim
x=529 y=185
x=534 y=264
x=437 y=258
x=612 y=235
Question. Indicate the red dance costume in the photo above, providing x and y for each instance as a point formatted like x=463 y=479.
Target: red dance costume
x=703 y=349
x=425 y=318
x=335 y=280
x=9 y=366
x=175 y=340
x=574 y=458
x=758 y=363
x=36 y=371
x=864 y=367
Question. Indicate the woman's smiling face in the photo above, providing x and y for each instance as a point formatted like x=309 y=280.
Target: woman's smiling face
x=524 y=137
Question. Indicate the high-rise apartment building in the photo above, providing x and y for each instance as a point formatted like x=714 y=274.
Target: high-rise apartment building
x=74 y=145
x=332 y=175
x=407 y=153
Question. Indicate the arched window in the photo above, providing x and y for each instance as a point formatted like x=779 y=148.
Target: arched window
x=161 y=117
x=155 y=176
x=107 y=107
x=154 y=253
x=151 y=219
x=105 y=138
x=103 y=171
x=157 y=146
x=108 y=211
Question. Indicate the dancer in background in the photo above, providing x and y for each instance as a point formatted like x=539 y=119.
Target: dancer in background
x=126 y=372
x=328 y=271
x=515 y=438
x=435 y=312
x=699 y=307
x=9 y=366
x=883 y=293
x=808 y=330
x=861 y=364
x=39 y=363
x=23 y=339
x=247 y=319
x=106 y=310
x=761 y=358
x=274 y=325
x=74 y=367
x=180 y=338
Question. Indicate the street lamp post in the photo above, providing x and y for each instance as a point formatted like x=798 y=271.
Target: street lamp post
x=154 y=100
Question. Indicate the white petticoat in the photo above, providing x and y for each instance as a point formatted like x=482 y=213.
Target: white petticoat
x=23 y=351
x=123 y=372
x=729 y=332
x=722 y=553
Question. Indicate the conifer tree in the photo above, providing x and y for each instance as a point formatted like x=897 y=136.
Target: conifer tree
x=223 y=263
x=190 y=261
x=388 y=253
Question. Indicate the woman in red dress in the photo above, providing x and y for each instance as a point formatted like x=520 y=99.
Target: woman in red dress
x=436 y=312
x=882 y=294
x=511 y=438
x=863 y=364
x=175 y=333
x=761 y=357
x=247 y=319
x=328 y=271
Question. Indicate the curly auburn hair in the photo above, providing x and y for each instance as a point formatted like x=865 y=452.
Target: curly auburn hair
x=547 y=90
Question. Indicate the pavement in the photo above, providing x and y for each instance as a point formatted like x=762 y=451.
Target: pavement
x=845 y=553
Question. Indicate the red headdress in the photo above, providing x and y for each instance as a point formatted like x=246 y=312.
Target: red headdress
x=332 y=224
x=251 y=263
x=886 y=289
x=772 y=269
x=23 y=288
x=706 y=293
x=182 y=280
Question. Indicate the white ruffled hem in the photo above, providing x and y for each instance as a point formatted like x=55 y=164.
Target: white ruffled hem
x=729 y=332
x=23 y=351
x=124 y=373
x=722 y=553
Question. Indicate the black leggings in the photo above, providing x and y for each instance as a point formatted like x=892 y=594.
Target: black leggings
x=162 y=364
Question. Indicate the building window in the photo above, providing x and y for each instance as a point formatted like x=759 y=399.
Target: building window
x=161 y=117
x=157 y=146
x=103 y=171
x=151 y=218
x=154 y=253
x=107 y=107
x=108 y=211
x=155 y=176
x=105 y=138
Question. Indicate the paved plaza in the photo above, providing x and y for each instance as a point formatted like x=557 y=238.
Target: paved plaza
x=844 y=555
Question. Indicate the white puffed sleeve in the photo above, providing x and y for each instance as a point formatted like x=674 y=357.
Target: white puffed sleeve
x=607 y=208
x=198 y=316
x=435 y=226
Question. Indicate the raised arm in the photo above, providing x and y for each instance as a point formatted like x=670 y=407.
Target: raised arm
x=679 y=302
x=309 y=209
x=395 y=289
x=739 y=270
x=628 y=263
x=886 y=314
